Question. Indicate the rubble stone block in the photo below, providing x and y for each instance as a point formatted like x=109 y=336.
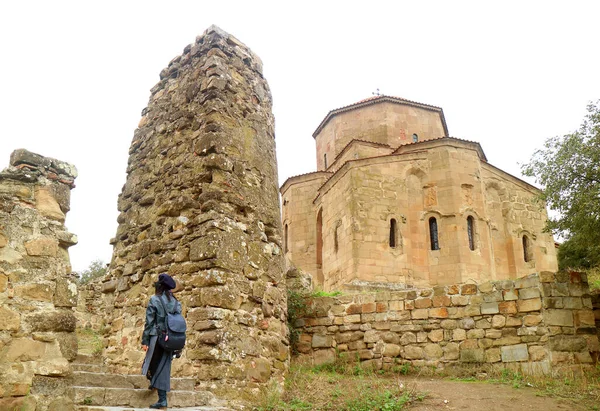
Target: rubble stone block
x=515 y=353
x=489 y=308
x=563 y=318
x=534 y=304
x=472 y=355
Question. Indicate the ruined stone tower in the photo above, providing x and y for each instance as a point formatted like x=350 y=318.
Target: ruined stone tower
x=37 y=290
x=201 y=204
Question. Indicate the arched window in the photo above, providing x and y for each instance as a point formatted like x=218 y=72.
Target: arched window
x=433 y=234
x=393 y=233
x=325 y=160
x=527 y=250
x=471 y=231
x=320 y=239
x=285 y=239
x=415 y=137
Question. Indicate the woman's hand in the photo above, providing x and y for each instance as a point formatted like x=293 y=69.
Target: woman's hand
x=145 y=347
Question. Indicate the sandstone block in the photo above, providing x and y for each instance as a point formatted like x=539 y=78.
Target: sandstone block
x=45 y=246
x=489 y=308
x=408 y=338
x=529 y=293
x=451 y=351
x=573 y=303
x=515 y=353
x=459 y=300
x=441 y=312
x=527 y=282
x=396 y=305
x=392 y=350
x=537 y=353
x=547 y=277
x=3 y=282
x=65 y=294
x=9 y=320
x=322 y=341
x=468 y=289
x=532 y=320
x=498 y=321
x=436 y=335
x=534 y=304
x=584 y=318
x=459 y=334
x=59 y=321
x=441 y=301
x=412 y=352
x=259 y=370
x=46 y=204
x=493 y=355
x=35 y=292
x=567 y=343
x=513 y=321
x=449 y=324
x=18 y=403
x=563 y=318
x=433 y=351
x=487 y=287
x=476 y=333
x=420 y=314
x=472 y=355
x=472 y=310
x=423 y=303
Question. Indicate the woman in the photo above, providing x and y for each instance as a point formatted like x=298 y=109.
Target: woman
x=157 y=364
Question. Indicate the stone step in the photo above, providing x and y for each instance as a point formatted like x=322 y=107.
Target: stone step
x=95 y=368
x=131 y=397
x=94 y=379
x=88 y=359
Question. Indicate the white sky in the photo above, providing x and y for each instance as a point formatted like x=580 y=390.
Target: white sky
x=77 y=75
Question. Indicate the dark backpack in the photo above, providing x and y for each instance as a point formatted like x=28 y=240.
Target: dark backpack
x=173 y=338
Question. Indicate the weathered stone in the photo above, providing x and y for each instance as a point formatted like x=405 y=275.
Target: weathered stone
x=391 y=350
x=514 y=353
x=9 y=319
x=472 y=355
x=36 y=292
x=468 y=289
x=45 y=246
x=489 y=308
x=412 y=352
x=498 y=321
x=322 y=341
x=432 y=351
x=567 y=343
x=493 y=355
x=537 y=353
x=59 y=321
x=534 y=304
x=562 y=318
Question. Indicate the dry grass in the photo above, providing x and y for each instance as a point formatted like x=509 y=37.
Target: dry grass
x=594 y=278
x=342 y=387
x=89 y=342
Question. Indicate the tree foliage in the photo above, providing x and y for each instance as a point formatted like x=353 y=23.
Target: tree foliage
x=568 y=168
x=96 y=269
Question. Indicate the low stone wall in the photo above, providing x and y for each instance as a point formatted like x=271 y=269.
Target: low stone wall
x=37 y=289
x=536 y=324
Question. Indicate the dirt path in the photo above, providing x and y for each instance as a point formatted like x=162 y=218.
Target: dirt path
x=456 y=395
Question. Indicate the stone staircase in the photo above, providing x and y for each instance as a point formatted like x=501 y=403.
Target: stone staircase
x=97 y=390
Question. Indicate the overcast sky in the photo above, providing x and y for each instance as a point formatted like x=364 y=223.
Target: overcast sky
x=77 y=75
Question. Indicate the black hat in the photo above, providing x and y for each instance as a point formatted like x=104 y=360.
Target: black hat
x=167 y=281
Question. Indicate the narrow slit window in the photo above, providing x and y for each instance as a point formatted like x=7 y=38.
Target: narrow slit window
x=336 y=245
x=285 y=239
x=433 y=234
x=320 y=239
x=527 y=251
x=471 y=231
x=415 y=137
x=325 y=160
x=393 y=233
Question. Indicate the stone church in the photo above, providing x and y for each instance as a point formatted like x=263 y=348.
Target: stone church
x=396 y=200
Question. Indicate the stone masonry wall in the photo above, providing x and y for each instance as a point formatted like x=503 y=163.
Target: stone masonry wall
x=536 y=324
x=201 y=204
x=37 y=290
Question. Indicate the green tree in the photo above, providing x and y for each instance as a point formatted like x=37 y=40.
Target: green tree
x=96 y=269
x=568 y=168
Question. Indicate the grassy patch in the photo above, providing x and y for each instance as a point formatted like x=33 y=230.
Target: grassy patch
x=340 y=386
x=594 y=278
x=89 y=342
x=321 y=293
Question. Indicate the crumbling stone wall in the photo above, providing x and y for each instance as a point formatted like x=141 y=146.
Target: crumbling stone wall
x=536 y=324
x=201 y=204
x=37 y=289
